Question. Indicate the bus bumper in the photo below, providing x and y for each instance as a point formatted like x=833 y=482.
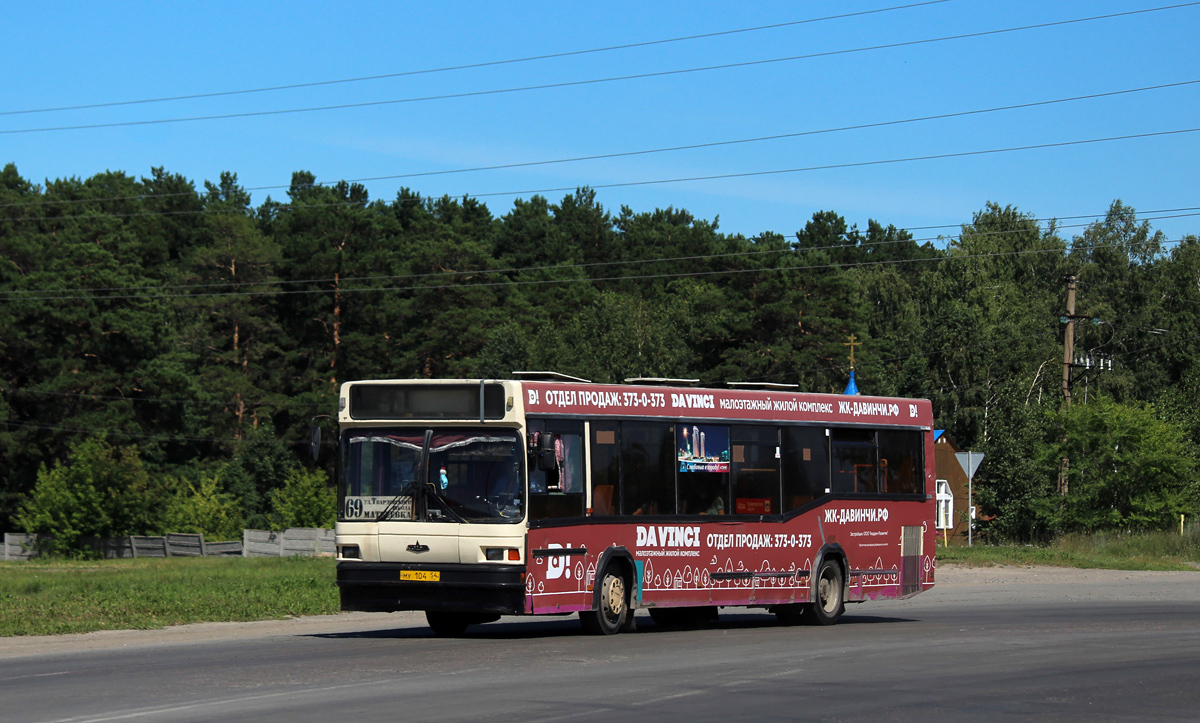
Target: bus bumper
x=377 y=587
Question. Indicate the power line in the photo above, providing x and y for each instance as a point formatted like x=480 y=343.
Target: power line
x=136 y=435
x=157 y=400
x=956 y=391
x=471 y=66
x=859 y=164
x=88 y=292
x=322 y=404
x=661 y=181
x=95 y=432
x=648 y=151
x=588 y=279
x=591 y=81
x=952 y=350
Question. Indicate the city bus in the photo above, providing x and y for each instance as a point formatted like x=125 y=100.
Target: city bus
x=546 y=495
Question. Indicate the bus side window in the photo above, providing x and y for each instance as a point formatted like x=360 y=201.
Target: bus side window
x=805 y=465
x=702 y=458
x=855 y=460
x=559 y=492
x=647 y=469
x=904 y=471
x=756 y=457
x=604 y=456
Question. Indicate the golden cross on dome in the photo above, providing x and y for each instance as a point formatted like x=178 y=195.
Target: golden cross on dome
x=852 y=343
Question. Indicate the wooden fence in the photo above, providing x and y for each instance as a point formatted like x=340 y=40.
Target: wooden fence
x=254 y=543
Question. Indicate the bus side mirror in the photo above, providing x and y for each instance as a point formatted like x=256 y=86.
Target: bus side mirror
x=547 y=457
x=314 y=442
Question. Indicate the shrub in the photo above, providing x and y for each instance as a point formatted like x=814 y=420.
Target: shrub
x=205 y=510
x=101 y=491
x=305 y=500
x=1128 y=470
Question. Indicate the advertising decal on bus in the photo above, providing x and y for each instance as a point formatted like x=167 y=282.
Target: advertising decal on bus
x=729 y=563
x=550 y=398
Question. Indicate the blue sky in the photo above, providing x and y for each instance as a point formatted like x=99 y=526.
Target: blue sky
x=71 y=53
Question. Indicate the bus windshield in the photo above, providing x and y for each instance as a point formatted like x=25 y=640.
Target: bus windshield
x=470 y=475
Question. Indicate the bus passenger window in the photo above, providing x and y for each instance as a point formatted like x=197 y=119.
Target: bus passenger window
x=702 y=456
x=756 y=455
x=558 y=492
x=647 y=469
x=855 y=460
x=805 y=465
x=901 y=461
x=605 y=461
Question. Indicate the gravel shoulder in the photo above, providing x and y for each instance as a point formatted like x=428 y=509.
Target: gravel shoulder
x=998 y=585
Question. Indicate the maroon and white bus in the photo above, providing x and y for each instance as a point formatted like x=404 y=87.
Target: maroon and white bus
x=472 y=499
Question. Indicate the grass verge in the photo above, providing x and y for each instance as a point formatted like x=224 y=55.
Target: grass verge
x=1141 y=551
x=46 y=598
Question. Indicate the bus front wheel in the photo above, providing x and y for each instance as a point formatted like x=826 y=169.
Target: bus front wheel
x=614 y=607
x=826 y=606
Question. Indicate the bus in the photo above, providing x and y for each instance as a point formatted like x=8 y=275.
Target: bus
x=471 y=499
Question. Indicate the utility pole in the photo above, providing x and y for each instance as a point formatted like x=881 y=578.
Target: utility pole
x=1069 y=342
x=1069 y=362
x=1064 y=464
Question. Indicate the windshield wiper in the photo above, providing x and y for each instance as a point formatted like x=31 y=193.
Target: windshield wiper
x=393 y=506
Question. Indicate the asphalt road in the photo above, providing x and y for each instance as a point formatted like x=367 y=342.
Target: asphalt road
x=1014 y=644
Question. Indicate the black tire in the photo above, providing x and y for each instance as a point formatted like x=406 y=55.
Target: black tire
x=448 y=625
x=789 y=614
x=827 y=604
x=613 y=595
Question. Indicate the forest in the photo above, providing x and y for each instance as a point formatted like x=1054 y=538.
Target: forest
x=165 y=346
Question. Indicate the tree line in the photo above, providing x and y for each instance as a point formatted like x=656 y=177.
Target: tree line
x=183 y=330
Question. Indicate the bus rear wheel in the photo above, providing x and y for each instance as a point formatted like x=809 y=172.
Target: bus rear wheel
x=614 y=607
x=827 y=603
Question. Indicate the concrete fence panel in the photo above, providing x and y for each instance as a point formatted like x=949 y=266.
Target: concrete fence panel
x=109 y=548
x=254 y=543
x=22 y=546
x=262 y=543
x=233 y=548
x=181 y=544
x=307 y=541
x=148 y=546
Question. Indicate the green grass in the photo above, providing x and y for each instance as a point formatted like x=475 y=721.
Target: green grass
x=65 y=596
x=1140 y=551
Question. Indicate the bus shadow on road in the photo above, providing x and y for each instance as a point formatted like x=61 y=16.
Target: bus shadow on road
x=527 y=629
x=513 y=629
x=754 y=621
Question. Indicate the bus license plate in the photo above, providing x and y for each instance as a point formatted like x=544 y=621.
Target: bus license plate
x=421 y=575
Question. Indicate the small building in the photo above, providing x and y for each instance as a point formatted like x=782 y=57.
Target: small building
x=951 y=491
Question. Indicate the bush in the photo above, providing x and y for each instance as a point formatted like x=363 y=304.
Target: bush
x=205 y=510
x=261 y=466
x=102 y=491
x=305 y=500
x=1128 y=470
